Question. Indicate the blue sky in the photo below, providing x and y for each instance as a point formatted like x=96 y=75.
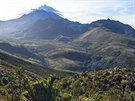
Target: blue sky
x=84 y=11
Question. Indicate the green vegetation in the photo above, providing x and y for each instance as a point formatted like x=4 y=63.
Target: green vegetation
x=108 y=85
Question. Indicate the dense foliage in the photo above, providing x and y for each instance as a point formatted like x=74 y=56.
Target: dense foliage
x=107 y=85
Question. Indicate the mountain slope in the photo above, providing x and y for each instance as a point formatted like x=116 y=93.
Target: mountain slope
x=20 y=51
x=7 y=59
x=108 y=49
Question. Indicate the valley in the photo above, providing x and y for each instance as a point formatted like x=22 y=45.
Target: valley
x=46 y=57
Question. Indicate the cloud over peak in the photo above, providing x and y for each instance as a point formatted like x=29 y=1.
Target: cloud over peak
x=49 y=9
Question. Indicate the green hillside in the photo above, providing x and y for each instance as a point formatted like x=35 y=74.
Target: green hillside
x=107 y=49
x=33 y=67
x=108 y=85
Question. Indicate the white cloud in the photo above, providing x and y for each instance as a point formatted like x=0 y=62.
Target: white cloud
x=86 y=11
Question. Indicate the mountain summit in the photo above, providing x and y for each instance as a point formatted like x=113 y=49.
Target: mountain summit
x=49 y=9
x=114 y=26
x=42 y=13
x=42 y=23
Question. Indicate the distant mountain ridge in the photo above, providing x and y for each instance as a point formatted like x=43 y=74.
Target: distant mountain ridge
x=114 y=26
x=47 y=23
